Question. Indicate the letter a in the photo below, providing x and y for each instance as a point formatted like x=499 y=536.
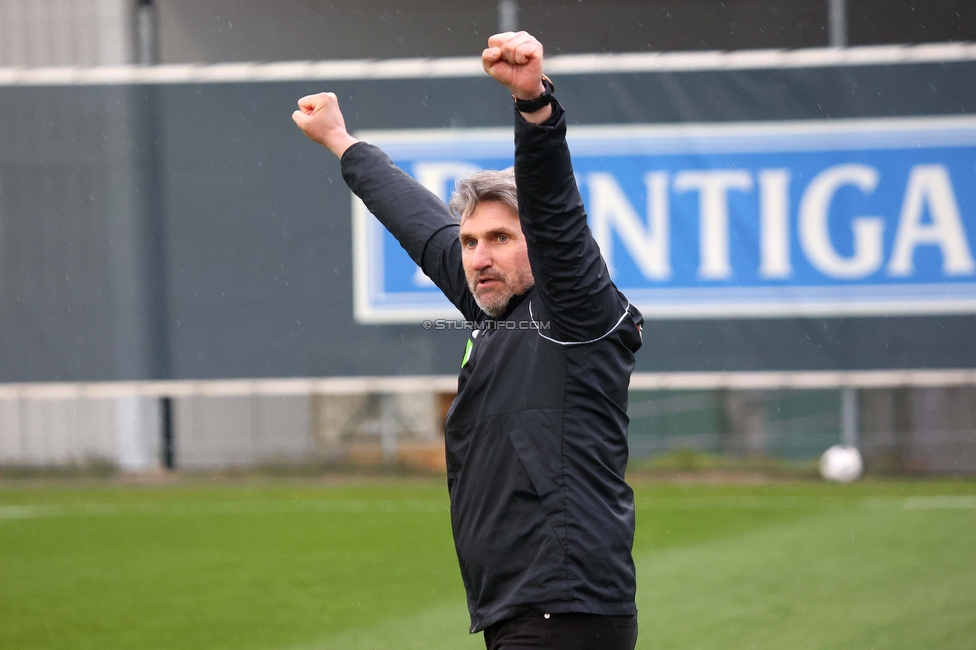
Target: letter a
x=930 y=185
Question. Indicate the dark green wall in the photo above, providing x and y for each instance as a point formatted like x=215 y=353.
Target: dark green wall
x=191 y=231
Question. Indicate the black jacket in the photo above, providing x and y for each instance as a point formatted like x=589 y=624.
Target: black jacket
x=537 y=436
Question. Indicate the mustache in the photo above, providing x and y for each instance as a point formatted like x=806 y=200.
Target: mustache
x=488 y=275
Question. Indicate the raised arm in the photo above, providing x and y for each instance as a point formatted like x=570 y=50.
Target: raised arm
x=570 y=275
x=419 y=220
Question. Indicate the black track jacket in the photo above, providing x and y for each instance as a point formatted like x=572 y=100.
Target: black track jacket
x=537 y=436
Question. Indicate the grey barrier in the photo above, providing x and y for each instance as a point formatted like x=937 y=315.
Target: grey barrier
x=907 y=421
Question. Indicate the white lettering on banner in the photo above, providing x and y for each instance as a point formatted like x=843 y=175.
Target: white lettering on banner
x=713 y=210
x=774 y=223
x=758 y=219
x=930 y=185
x=814 y=224
x=611 y=211
x=648 y=242
x=435 y=177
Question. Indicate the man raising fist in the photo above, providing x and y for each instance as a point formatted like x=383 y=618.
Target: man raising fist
x=515 y=61
x=536 y=438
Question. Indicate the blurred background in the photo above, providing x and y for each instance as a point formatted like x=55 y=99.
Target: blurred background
x=178 y=268
x=221 y=410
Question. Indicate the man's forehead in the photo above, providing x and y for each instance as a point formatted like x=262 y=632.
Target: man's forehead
x=491 y=216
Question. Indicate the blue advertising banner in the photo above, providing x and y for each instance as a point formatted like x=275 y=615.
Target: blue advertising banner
x=822 y=218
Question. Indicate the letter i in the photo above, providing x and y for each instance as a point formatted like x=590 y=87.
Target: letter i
x=774 y=223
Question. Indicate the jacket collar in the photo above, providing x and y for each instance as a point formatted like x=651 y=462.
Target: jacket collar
x=514 y=302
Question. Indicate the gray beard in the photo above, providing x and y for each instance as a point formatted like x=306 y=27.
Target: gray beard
x=496 y=306
x=496 y=303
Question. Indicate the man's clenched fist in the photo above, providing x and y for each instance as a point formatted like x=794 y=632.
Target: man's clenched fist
x=319 y=117
x=514 y=59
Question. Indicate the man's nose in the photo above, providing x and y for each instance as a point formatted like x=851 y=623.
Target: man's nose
x=480 y=257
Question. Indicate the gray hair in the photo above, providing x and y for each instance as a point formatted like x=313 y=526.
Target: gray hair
x=487 y=185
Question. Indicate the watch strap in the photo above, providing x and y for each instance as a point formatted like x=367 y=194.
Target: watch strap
x=532 y=105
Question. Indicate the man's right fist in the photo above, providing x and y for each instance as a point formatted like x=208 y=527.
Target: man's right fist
x=514 y=59
x=319 y=117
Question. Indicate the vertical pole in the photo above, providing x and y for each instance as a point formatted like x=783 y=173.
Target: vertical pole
x=149 y=193
x=147 y=51
x=388 y=426
x=848 y=416
x=837 y=22
x=904 y=427
x=166 y=407
x=507 y=15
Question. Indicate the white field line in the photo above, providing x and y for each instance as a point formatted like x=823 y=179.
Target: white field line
x=742 y=502
x=362 y=506
x=456 y=67
x=193 y=508
x=938 y=502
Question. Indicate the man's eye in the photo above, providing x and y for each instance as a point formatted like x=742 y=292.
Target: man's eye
x=502 y=238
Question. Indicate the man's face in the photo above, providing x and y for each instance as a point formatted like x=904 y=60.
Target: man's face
x=495 y=257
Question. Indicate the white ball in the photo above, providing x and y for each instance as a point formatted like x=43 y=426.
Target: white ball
x=841 y=463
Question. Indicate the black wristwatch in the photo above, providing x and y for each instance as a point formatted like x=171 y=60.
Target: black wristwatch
x=532 y=105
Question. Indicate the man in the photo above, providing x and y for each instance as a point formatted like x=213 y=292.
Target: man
x=537 y=437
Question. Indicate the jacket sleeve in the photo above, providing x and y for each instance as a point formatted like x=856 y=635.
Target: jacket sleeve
x=419 y=220
x=571 y=278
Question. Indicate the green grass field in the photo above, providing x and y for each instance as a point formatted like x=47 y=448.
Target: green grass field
x=880 y=565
